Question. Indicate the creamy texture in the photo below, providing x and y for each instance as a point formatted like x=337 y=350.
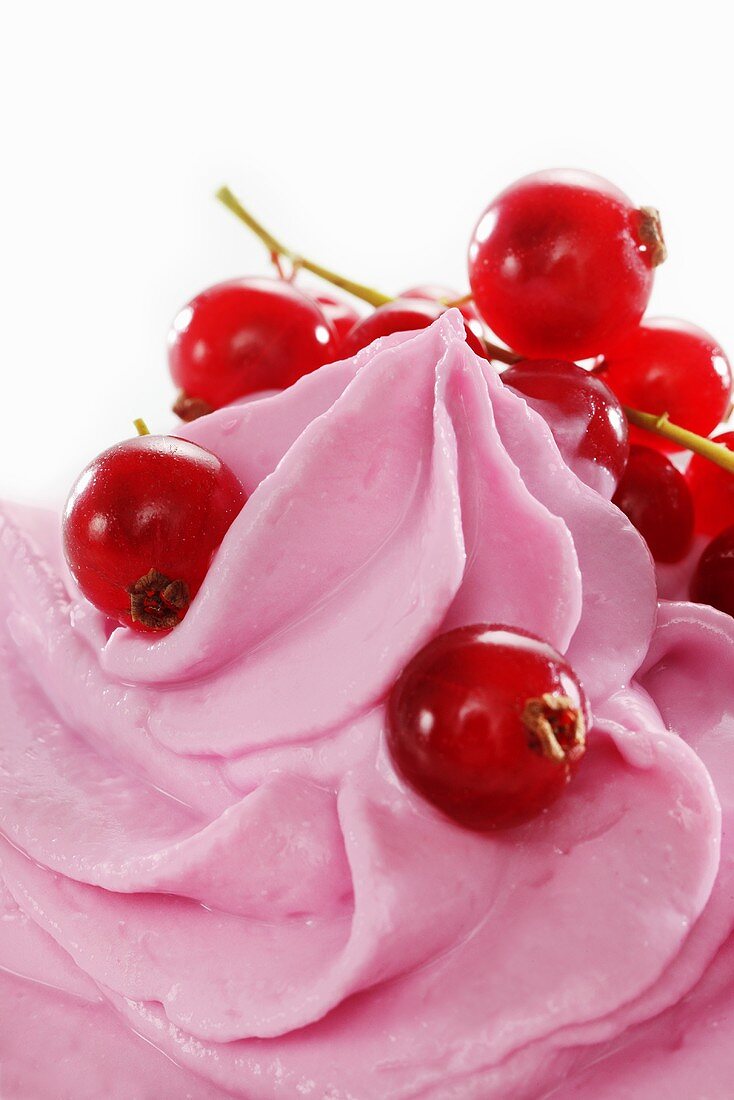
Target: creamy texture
x=205 y=844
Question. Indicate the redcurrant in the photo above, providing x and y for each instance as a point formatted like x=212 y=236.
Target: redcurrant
x=401 y=315
x=713 y=491
x=668 y=366
x=713 y=581
x=488 y=724
x=141 y=526
x=655 y=497
x=583 y=414
x=239 y=337
x=561 y=264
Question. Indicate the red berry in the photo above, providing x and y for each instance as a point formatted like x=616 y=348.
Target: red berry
x=400 y=315
x=655 y=497
x=239 y=337
x=583 y=414
x=141 y=526
x=713 y=491
x=668 y=366
x=488 y=724
x=561 y=264
x=713 y=581
x=432 y=292
x=342 y=315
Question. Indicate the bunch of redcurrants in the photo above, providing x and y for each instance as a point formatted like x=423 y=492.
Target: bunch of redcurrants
x=561 y=268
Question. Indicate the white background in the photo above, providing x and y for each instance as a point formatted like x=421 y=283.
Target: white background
x=369 y=136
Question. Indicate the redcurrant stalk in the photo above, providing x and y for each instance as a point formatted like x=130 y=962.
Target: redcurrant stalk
x=140 y=426
x=659 y=425
x=699 y=444
x=277 y=249
x=458 y=302
x=500 y=354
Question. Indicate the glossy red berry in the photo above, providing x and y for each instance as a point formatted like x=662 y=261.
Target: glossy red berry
x=655 y=497
x=243 y=336
x=670 y=366
x=141 y=526
x=583 y=414
x=488 y=724
x=434 y=292
x=713 y=581
x=400 y=315
x=713 y=490
x=561 y=264
x=341 y=314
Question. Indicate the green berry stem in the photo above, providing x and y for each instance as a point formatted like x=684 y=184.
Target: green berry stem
x=457 y=302
x=277 y=248
x=499 y=354
x=699 y=444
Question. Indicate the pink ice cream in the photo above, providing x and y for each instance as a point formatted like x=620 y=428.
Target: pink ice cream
x=213 y=882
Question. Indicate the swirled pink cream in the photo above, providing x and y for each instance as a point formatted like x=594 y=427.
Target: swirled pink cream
x=214 y=883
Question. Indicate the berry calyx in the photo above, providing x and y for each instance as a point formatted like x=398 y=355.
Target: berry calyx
x=713 y=580
x=488 y=724
x=157 y=602
x=670 y=367
x=190 y=408
x=555 y=726
x=142 y=524
x=655 y=497
x=561 y=264
x=584 y=416
x=243 y=336
x=650 y=231
x=713 y=491
x=401 y=315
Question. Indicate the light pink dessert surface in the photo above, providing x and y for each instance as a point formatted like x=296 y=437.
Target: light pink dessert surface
x=212 y=882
